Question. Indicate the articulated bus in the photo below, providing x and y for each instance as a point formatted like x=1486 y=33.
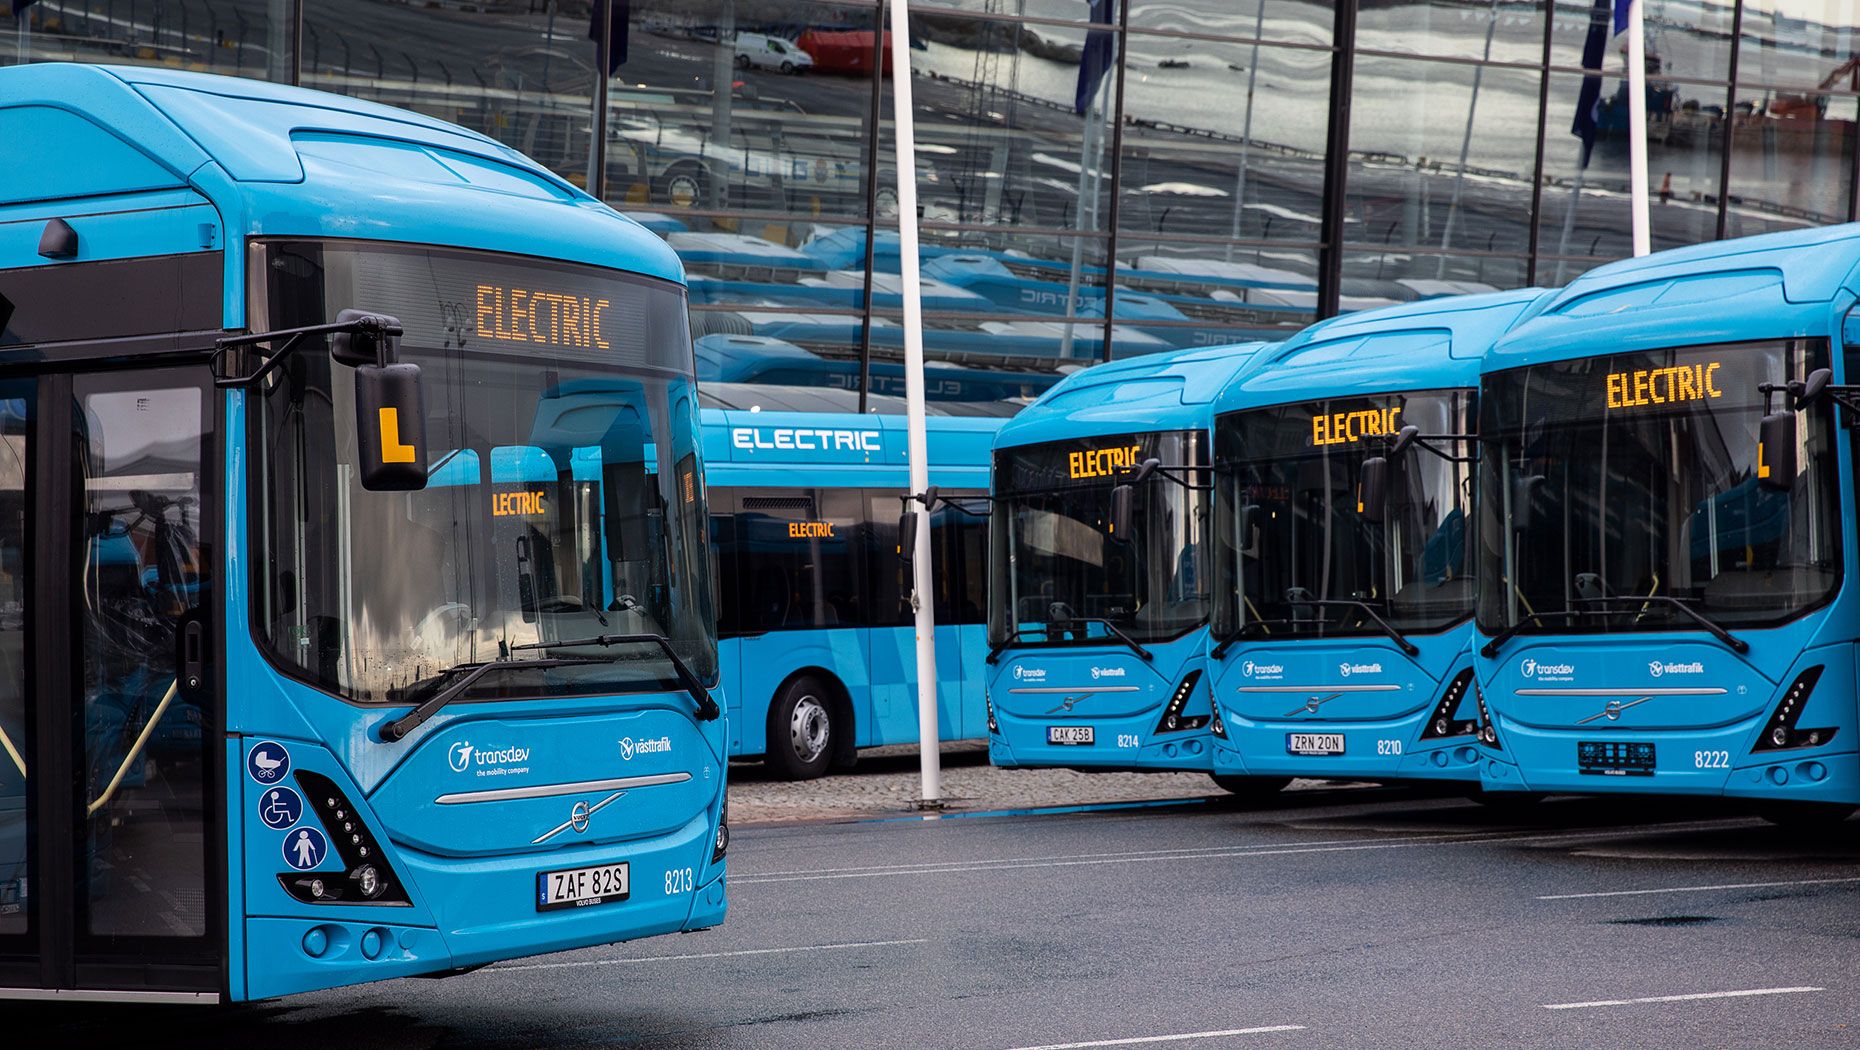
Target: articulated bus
x=1343 y=558
x=357 y=609
x=1098 y=635
x=818 y=640
x=1666 y=499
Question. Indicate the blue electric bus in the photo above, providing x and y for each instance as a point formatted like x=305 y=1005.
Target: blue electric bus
x=1098 y=635
x=1666 y=499
x=817 y=634
x=1343 y=558
x=355 y=604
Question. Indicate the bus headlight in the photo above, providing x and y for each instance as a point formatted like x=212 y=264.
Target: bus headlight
x=722 y=844
x=1488 y=730
x=1441 y=723
x=1781 y=733
x=1173 y=720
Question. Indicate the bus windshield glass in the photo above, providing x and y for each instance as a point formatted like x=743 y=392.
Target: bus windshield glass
x=1059 y=577
x=564 y=497
x=1296 y=555
x=1621 y=493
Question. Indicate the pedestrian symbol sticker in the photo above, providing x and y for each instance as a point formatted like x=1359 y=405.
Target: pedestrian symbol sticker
x=267 y=762
x=305 y=848
x=279 y=808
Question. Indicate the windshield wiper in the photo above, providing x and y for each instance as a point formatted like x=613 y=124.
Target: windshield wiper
x=1491 y=648
x=995 y=650
x=1351 y=603
x=707 y=709
x=1731 y=641
x=407 y=723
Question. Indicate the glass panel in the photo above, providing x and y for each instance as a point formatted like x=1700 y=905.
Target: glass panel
x=1441 y=156
x=1004 y=271
x=1634 y=477
x=523 y=76
x=1805 y=45
x=16 y=825
x=985 y=367
x=774 y=263
x=1013 y=126
x=1792 y=168
x=1060 y=576
x=1291 y=21
x=1495 y=30
x=778 y=360
x=1373 y=278
x=146 y=569
x=958 y=546
x=1206 y=293
x=243 y=38
x=1683 y=161
x=798 y=553
x=1224 y=139
x=715 y=106
x=1682 y=40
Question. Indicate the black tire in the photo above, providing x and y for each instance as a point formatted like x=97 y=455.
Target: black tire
x=1806 y=816
x=684 y=185
x=742 y=61
x=787 y=68
x=1250 y=789
x=802 y=730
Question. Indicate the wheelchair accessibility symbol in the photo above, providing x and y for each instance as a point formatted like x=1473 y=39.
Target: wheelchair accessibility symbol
x=305 y=848
x=280 y=807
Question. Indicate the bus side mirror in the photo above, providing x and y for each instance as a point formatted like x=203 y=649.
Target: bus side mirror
x=1776 y=452
x=1372 y=489
x=1123 y=501
x=907 y=536
x=1249 y=522
x=368 y=343
x=1814 y=387
x=1524 y=500
x=626 y=510
x=390 y=427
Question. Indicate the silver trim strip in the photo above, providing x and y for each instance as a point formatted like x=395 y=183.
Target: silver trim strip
x=103 y=995
x=580 y=787
x=1389 y=688
x=1075 y=689
x=1669 y=691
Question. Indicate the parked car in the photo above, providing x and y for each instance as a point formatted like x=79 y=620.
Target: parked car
x=770 y=52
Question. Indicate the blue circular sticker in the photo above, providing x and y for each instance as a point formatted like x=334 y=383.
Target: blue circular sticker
x=267 y=762
x=279 y=807
x=305 y=848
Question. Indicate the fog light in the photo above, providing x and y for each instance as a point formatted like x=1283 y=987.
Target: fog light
x=1778 y=775
x=316 y=942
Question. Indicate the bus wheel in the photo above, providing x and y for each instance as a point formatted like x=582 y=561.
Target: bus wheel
x=1806 y=816
x=801 y=731
x=1250 y=789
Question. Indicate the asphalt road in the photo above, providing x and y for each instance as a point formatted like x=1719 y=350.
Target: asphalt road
x=1366 y=917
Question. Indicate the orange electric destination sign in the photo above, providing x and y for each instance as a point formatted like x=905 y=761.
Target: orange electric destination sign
x=1102 y=462
x=540 y=316
x=1348 y=428
x=1664 y=386
x=516 y=504
x=810 y=530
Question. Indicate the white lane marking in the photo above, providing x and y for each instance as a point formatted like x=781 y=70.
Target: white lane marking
x=1696 y=889
x=709 y=955
x=1144 y=1040
x=1682 y=998
x=1088 y=860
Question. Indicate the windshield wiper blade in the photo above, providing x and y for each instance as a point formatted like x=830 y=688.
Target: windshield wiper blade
x=1731 y=641
x=1351 y=603
x=1069 y=624
x=1491 y=648
x=707 y=709
x=407 y=723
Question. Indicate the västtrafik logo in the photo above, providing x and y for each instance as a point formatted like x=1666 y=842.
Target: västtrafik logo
x=630 y=746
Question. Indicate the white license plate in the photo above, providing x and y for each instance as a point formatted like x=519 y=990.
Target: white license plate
x=1070 y=735
x=581 y=887
x=1314 y=743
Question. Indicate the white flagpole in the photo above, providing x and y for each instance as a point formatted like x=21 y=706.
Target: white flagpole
x=1637 y=127
x=929 y=745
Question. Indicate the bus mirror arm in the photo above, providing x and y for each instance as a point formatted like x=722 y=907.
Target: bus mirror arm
x=356 y=338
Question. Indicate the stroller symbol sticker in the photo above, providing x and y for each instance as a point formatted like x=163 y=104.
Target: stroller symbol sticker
x=267 y=762
x=279 y=808
x=305 y=848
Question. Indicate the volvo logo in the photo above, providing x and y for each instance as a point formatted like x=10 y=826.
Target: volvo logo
x=578 y=817
x=1612 y=711
x=1311 y=704
x=1066 y=705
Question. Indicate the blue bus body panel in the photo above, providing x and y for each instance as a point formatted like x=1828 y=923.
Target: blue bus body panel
x=154 y=162
x=1707 y=705
x=1363 y=687
x=1032 y=688
x=875 y=665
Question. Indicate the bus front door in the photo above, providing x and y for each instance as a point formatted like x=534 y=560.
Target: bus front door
x=110 y=816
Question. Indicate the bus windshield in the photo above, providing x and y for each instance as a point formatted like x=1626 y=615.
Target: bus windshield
x=1297 y=557
x=1058 y=576
x=564 y=498
x=1621 y=492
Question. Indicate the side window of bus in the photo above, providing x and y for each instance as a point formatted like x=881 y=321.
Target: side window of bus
x=726 y=577
x=796 y=552
x=958 y=544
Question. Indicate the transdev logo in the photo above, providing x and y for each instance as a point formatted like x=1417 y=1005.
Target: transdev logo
x=1022 y=672
x=461 y=756
x=1656 y=668
x=645 y=746
x=1253 y=670
x=1530 y=668
x=1347 y=669
x=488 y=761
x=1108 y=672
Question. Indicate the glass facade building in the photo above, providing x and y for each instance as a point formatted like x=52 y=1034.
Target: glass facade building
x=1096 y=178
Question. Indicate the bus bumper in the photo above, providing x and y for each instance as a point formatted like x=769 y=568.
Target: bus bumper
x=1380 y=751
x=1125 y=744
x=1685 y=763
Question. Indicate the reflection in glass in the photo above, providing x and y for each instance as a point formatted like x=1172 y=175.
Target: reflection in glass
x=1792 y=162
x=1289 y=21
x=1209 y=293
x=15 y=747
x=243 y=38
x=1498 y=30
x=1804 y=46
x=1682 y=40
x=146 y=569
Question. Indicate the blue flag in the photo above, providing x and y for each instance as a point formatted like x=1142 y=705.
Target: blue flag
x=1095 y=59
x=616 y=32
x=1594 y=50
x=1621 y=14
